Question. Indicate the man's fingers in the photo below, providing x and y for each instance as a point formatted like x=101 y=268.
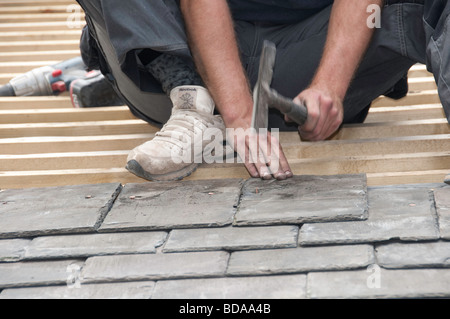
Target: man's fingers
x=247 y=147
x=319 y=133
x=313 y=105
x=252 y=169
x=267 y=157
x=324 y=118
x=336 y=119
x=277 y=156
x=262 y=155
x=257 y=156
x=240 y=145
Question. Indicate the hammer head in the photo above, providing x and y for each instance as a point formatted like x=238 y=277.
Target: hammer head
x=261 y=97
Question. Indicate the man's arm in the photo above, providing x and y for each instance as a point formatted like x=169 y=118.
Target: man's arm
x=214 y=48
x=347 y=41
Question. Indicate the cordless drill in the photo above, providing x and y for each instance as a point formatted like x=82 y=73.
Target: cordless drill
x=87 y=89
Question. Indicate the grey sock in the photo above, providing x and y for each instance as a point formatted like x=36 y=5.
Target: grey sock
x=171 y=71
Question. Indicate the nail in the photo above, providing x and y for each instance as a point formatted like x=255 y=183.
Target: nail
x=266 y=176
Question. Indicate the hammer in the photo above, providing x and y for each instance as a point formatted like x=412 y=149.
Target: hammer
x=264 y=96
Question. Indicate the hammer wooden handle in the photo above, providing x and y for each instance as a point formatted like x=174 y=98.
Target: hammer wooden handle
x=296 y=112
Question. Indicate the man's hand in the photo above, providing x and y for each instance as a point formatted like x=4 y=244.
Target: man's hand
x=325 y=114
x=348 y=38
x=214 y=48
x=261 y=152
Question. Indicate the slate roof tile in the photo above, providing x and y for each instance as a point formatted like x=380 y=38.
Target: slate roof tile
x=217 y=239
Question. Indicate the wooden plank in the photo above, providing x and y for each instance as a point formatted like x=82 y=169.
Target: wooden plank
x=76 y=128
x=373 y=179
x=405 y=113
x=315 y=166
x=6 y=77
x=28 y=179
x=419 y=70
x=417 y=84
x=375 y=115
x=370 y=147
x=69 y=24
x=399 y=165
x=58 y=161
x=34 y=102
x=391 y=175
x=19 y=3
x=424 y=97
x=121 y=175
x=38 y=145
x=22 y=67
x=34 y=9
x=392 y=129
x=60 y=144
x=349 y=132
x=66 y=115
x=395 y=178
x=57 y=55
x=38 y=17
x=21 y=179
x=40 y=35
x=377 y=130
x=371 y=164
x=41 y=45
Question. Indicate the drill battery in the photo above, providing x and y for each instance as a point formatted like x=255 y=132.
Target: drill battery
x=87 y=89
x=93 y=91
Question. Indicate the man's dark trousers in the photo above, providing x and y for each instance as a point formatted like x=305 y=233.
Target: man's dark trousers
x=123 y=36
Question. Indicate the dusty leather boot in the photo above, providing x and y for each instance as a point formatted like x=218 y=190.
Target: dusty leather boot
x=177 y=150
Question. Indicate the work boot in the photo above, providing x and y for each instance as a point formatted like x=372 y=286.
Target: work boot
x=177 y=150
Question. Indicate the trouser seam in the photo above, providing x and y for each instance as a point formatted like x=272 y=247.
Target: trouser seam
x=401 y=31
x=440 y=63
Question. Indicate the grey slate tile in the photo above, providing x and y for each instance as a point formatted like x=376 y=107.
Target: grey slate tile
x=231 y=238
x=303 y=199
x=442 y=200
x=412 y=283
x=25 y=274
x=131 y=290
x=73 y=246
x=261 y=287
x=302 y=259
x=154 y=266
x=404 y=212
x=414 y=255
x=57 y=210
x=12 y=249
x=170 y=205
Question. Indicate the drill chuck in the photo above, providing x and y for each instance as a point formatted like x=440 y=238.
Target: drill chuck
x=46 y=80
